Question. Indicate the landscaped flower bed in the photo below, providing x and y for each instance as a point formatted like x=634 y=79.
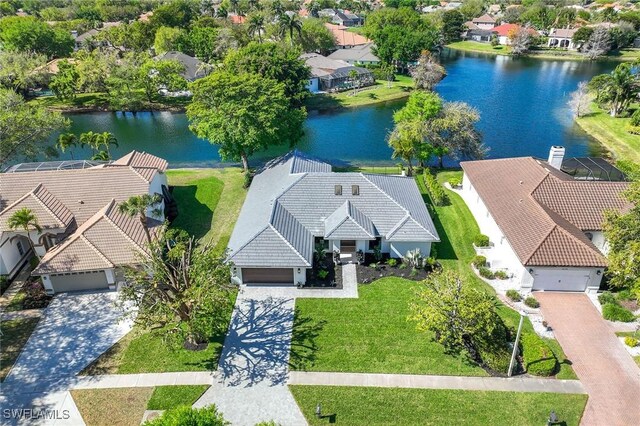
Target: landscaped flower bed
x=372 y=270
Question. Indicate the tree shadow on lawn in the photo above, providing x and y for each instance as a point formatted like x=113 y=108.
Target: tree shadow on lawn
x=194 y=217
x=259 y=341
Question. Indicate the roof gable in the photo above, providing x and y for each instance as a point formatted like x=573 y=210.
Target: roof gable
x=268 y=248
x=49 y=211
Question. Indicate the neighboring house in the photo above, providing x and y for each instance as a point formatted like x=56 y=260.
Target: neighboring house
x=341 y=17
x=357 y=55
x=194 y=68
x=562 y=38
x=85 y=241
x=296 y=202
x=485 y=22
x=545 y=226
x=84 y=38
x=346 y=39
x=328 y=75
x=504 y=32
x=476 y=34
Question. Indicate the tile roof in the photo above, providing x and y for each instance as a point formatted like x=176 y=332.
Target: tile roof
x=293 y=197
x=344 y=37
x=562 y=32
x=486 y=18
x=542 y=212
x=361 y=53
x=82 y=203
x=505 y=30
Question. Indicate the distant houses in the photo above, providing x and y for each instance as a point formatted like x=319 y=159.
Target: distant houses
x=346 y=39
x=329 y=75
x=341 y=17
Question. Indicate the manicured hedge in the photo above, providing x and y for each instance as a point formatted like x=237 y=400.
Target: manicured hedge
x=436 y=191
x=615 y=312
x=538 y=358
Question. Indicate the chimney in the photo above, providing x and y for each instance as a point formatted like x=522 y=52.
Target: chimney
x=556 y=155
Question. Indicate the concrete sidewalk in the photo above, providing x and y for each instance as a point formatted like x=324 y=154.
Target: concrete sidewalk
x=514 y=384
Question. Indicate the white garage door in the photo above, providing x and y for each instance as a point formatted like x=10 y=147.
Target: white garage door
x=80 y=281
x=561 y=280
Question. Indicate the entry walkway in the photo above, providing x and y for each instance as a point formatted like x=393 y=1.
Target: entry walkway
x=605 y=368
x=515 y=384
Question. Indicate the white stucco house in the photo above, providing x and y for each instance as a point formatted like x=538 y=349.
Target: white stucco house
x=296 y=202
x=85 y=240
x=562 y=38
x=545 y=226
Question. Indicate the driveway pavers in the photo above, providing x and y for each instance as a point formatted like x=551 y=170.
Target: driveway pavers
x=605 y=368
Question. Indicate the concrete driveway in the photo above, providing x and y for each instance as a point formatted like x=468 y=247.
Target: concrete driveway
x=605 y=368
x=75 y=330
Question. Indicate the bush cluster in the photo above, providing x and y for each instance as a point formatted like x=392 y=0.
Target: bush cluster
x=514 y=295
x=531 y=302
x=497 y=359
x=607 y=297
x=501 y=275
x=392 y=262
x=479 y=261
x=538 y=358
x=436 y=191
x=486 y=273
x=481 y=240
x=632 y=342
x=455 y=181
x=615 y=312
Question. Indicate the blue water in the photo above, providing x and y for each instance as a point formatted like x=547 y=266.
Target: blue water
x=522 y=102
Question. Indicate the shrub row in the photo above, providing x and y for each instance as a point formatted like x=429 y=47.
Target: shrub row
x=538 y=358
x=615 y=312
x=436 y=191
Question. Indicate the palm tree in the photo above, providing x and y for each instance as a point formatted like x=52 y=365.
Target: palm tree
x=26 y=220
x=256 y=25
x=97 y=141
x=106 y=139
x=289 y=23
x=138 y=205
x=66 y=141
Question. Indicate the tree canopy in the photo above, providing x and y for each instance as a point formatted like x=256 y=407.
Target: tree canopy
x=243 y=113
x=24 y=128
x=400 y=34
x=28 y=34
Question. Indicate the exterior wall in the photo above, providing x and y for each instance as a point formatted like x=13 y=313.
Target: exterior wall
x=504 y=40
x=600 y=241
x=485 y=25
x=561 y=42
x=299 y=275
x=313 y=85
x=398 y=249
x=10 y=258
x=155 y=187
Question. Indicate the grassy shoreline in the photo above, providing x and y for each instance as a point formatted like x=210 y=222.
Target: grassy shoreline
x=549 y=54
x=611 y=133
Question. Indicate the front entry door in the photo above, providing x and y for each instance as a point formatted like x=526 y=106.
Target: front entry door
x=347 y=246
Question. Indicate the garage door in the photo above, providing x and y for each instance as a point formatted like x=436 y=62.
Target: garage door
x=80 y=281
x=267 y=275
x=561 y=280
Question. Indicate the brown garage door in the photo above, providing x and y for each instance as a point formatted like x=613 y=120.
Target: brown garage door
x=267 y=275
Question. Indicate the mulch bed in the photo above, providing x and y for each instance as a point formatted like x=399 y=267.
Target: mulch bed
x=30 y=296
x=332 y=280
x=368 y=274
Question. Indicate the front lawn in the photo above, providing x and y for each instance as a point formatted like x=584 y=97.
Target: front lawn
x=13 y=336
x=370 y=334
x=387 y=406
x=209 y=201
x=126 y=406
x=400 y=88
x=476 y=46
x=612 y=133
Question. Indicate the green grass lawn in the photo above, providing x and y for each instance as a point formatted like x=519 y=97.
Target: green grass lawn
x=167 y=397
x=475 y=46
x=126 y=406
x=15 y=334
x=612 y=133
x=401 y=88
x=386 y=406
x=370 y=334
x=209 y=201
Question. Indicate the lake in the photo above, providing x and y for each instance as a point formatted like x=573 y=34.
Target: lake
x=522 y=102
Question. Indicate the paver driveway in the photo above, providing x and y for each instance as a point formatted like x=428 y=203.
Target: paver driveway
x=75 y=329
x=605 y=368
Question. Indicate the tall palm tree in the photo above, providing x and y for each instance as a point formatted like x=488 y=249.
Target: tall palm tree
x=66 y=141
x=256 y=25
x=289 y=23
x=106 y=139
x=27 y=221
x=98 y=141
x=138 y=205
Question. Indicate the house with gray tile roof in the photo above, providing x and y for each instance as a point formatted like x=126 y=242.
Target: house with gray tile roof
x=84 y=240
x=296 y=202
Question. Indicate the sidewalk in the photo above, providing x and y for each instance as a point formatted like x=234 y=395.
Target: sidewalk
x=15 y=287
x=514 y=384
